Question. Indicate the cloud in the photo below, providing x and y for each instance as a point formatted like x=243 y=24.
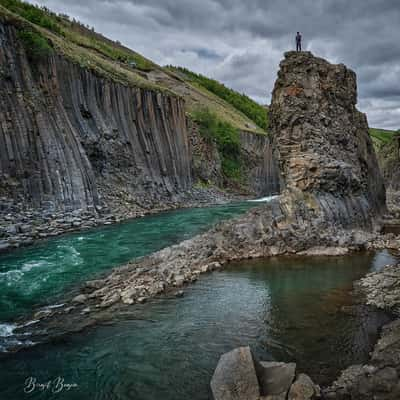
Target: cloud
x=241 y=42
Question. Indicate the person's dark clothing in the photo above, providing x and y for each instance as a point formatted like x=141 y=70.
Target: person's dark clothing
x=298 y=42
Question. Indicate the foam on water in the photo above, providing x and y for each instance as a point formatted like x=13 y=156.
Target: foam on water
x=7 y=330
x=264 y=199
x=17 y=274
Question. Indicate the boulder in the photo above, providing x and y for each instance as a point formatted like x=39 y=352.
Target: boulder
x=235 y=376
x=80 y=299
x=303 y=388
x=275 y=378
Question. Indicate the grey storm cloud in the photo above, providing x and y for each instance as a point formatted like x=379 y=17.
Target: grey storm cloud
x=241 y=42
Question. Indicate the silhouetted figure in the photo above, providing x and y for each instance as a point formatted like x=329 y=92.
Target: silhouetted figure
x=298 y=41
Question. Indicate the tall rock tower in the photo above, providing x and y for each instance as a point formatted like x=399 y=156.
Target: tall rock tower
x=322 y=143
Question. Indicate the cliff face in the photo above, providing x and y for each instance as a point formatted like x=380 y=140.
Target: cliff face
x=322 y=144
x=260 y=166
x=389 y=161
x=71 y=139
x=260 y=176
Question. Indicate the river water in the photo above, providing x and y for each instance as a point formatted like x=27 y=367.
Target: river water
x=289 y=309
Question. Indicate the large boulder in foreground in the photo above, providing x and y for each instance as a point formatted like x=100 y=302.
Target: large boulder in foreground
x=239 y=377
x=322 y=143
x=235 y=376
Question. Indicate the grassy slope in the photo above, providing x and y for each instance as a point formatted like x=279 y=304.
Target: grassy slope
x=78 y=43
x=112 y=60
x=256 y=112
x=387 y=152
x=381 y=135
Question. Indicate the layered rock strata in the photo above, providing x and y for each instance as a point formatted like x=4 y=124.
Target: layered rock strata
x=322 y=143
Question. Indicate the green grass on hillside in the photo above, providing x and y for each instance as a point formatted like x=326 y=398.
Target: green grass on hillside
x=382 y=135
x=254 y=111
x=227 y=139
x=78 y=43
x=76 y=33
x=36 y=46
x=38 y=16
x=43 y=31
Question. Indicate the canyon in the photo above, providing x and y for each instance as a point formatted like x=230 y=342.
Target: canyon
x=79 y=149
x=93 y=141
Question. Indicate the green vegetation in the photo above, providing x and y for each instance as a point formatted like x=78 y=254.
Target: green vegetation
x=38 y=16
x=254 y=111
x=36 y=46
x=227 y=139
x=83 y=46
x=77 y=33
x=111 y=50
x=382 y=135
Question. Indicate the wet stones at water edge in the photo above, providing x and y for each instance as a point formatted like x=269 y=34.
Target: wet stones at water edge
x=239 y=376
x=379 y=379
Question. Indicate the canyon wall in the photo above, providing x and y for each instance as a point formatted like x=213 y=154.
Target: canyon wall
x=259 y=170
x=260 y=166
x=71 y=139
x=389 y=161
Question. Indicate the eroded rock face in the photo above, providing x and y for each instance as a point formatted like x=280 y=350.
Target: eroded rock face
x=322 y=144
x=260 y=175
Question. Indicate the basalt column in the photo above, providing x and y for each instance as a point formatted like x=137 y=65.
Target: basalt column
x=322 y=144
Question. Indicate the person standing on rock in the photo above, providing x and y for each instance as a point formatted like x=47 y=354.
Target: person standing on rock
x=298 y=41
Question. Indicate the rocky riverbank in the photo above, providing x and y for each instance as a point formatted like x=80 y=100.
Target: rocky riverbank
x=239 y=376
x=380 y=378
x=21 y=226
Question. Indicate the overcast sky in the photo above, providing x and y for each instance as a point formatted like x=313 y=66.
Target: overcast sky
x=240 y=42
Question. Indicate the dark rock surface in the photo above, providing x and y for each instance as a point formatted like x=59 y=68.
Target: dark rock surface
x=71 y=139
x=260 y=167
